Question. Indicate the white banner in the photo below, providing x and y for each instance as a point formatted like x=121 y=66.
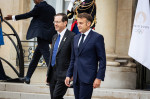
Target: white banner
x=139 y=48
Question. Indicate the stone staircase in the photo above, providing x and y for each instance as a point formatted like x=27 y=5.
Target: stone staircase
x=41 y=91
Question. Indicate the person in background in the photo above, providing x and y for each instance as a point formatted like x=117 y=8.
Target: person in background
x=1 y=34
x=2 y=73
x=42 y=27
x=81 y=6
x=3 y=76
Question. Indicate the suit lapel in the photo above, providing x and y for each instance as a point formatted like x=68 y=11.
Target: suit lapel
x=63 y=41
x=76 y=43
x=85 y=42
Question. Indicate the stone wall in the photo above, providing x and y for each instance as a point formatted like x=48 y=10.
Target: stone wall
x=126 y=9
x=13 y=7
x=114 y=22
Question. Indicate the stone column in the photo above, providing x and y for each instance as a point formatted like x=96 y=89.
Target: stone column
x=125 y=17
x=107 y=25
x=117 y=75
x=59 y=6
x=24 y=6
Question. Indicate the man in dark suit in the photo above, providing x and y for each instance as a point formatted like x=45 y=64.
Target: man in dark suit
x=59 y=57
x=88 y=49
x=41 y=27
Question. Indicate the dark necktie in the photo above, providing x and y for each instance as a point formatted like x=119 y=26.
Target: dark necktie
x=55 y=51
x=81 y=42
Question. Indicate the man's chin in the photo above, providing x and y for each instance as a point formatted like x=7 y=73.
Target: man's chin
x=56 y=29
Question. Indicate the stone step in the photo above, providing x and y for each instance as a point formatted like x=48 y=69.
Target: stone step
x=102 y=93
x=21 y=95
x=121 y=94
x=34 y=90
x=20 y=87
x=24 y=91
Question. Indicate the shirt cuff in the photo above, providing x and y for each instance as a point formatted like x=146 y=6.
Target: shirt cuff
x=99 y=79
x=13 y=18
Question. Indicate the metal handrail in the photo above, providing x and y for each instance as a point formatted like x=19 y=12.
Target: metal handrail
x=18 y=49
x=10 y=66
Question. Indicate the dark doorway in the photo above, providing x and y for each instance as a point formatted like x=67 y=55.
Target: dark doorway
x=147 y=79
x=143 y=77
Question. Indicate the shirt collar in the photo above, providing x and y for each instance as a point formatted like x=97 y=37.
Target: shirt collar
x=42 y=1
x=62 y=33
x=87 y=32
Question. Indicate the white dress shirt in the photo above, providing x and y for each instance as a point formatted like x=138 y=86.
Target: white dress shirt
x=86 y=34
x=61 y=35
x=13 y=18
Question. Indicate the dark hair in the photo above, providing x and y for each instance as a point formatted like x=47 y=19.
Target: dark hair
x=64 y=16
x=86 y=15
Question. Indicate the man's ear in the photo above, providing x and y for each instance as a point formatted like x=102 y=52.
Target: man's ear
x=66 y=23
x=88 y=23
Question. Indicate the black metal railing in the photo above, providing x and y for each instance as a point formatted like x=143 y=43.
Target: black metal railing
x=28 y=50
x=19 y=50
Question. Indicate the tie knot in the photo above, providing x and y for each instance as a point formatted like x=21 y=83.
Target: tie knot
x=83 y=35
x=59 y=35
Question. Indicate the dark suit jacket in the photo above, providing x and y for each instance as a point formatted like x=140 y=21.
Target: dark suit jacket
x=63 y=56
x=42 y=23
x=85 y=62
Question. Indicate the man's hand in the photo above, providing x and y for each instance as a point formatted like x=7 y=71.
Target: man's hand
x=96 y=83
x=67 y=81
x=71 y=78
x=9 y=17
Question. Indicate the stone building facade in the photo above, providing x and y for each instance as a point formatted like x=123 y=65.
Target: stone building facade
x=114 y=22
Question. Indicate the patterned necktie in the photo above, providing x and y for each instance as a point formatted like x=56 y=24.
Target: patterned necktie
x=55 y=51
x=81 y=42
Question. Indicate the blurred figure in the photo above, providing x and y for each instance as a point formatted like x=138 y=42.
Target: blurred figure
x=81 y=6
x=1 y=34
x=41 y=27
x=2 y=72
